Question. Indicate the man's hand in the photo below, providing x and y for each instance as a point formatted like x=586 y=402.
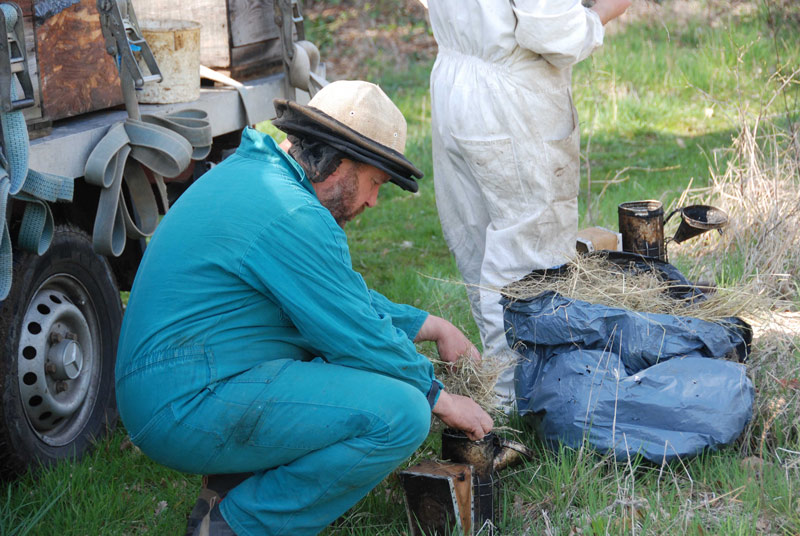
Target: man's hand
x=463 y=414
x=450 y=342
x=609 y=10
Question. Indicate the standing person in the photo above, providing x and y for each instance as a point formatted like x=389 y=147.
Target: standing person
x=249 y=344
x=506 y=143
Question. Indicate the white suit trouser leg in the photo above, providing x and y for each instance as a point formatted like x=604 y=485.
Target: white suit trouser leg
x=491 y=248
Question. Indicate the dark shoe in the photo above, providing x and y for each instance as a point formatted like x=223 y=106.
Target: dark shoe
x=215 y=487
x=213 y=524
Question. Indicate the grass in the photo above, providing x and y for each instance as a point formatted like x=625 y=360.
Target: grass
x=659 y=104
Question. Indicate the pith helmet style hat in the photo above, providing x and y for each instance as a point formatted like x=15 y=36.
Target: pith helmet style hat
x=358 y=119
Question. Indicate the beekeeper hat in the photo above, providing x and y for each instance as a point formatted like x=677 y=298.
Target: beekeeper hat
x=358 y=119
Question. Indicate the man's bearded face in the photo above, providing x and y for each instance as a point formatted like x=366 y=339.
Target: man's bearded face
x=342 y=198
x=353 y=188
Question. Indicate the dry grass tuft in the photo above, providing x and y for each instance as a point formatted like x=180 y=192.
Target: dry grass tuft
x=775 y=368
x=759 y=188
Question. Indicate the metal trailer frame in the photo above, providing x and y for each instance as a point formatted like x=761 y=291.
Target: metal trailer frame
x=65 y=150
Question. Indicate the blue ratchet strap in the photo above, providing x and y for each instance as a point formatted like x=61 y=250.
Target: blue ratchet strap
x=18 y=181
x=5 y=239
x=36 y=230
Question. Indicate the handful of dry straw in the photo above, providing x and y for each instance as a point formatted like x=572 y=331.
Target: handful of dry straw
x=475 y=379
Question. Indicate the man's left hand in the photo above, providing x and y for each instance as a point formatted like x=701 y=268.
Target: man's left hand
x=462 y=413
x=450 y=342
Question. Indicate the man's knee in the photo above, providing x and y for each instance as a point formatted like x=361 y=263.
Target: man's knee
x=411 y=418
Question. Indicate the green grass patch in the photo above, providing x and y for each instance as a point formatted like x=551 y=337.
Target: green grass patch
x=658 y=104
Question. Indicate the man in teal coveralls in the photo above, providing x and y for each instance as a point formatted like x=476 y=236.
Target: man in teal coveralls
x=249 y=344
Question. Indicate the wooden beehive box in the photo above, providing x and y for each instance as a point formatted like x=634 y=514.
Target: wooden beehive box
x=75 y=74
x=72 y=73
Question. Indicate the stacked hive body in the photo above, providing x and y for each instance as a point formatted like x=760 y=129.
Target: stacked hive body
x=73 y=74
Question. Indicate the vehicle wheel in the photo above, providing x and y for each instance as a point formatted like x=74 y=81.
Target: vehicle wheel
x=59 y=327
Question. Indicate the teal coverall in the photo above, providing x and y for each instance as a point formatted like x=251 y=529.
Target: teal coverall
x=250 y=344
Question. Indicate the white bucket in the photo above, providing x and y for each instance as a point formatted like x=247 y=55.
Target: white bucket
x=176 y=47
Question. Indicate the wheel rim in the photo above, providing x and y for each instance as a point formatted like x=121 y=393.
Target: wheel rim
x=59 y=359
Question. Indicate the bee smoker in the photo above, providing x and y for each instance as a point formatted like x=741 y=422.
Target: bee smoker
x=463 y=494
x=641 y=224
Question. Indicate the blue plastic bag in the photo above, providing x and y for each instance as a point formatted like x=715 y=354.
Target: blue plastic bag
x=628 y=382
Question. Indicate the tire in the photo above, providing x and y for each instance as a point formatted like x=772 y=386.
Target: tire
x=59 y=328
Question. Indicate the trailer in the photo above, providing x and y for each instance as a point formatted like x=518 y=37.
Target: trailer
x=86 y=172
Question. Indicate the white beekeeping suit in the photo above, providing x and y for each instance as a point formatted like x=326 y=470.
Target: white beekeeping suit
x=506 y=143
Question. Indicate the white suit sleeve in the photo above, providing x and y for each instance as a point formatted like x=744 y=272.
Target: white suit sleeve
x=562 y=32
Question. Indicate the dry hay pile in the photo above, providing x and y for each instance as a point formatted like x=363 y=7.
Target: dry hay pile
x=597 y=280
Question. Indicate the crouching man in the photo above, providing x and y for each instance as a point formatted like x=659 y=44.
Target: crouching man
x=250 y=345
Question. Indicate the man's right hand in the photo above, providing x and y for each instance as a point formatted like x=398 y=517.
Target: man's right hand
x=610 y=9
x=463 y=414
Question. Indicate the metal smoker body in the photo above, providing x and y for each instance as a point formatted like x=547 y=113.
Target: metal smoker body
x=642 y=226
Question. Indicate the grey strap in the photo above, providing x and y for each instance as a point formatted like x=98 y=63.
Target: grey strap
x=101 y=169
x=191 y=124
x=303 y=70
x=164 y=151
x=105 y=168
x=143 y=200
x=164 y=145
x=5 y=239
